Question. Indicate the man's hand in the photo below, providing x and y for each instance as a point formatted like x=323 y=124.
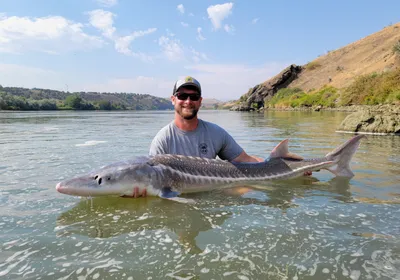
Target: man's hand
x=136 y=193
x=308 y=173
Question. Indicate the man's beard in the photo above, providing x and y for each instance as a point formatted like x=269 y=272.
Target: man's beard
x=187 y=116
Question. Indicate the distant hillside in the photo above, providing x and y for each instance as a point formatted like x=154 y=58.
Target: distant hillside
x=16 y=98
x=339 y=72
x=210 y=103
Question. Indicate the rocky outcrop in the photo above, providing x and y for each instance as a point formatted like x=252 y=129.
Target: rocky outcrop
x=379 y=120
x=255 y=97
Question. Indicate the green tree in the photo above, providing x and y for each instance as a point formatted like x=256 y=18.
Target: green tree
x=3 y=101
x=47 y=105
x=74 y=101
x=105 y=105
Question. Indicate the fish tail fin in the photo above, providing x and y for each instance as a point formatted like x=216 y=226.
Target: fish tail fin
x=342 y=156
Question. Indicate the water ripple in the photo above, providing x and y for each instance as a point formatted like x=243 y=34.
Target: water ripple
x=309 y=228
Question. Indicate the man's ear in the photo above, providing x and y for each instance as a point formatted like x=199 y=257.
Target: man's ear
x=173 y=100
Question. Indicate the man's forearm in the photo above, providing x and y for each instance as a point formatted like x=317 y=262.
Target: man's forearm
x=243 y=157
x=257 y=159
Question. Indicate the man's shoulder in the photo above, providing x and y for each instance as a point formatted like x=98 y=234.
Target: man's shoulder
x=165 y=130
x=213 y=128
x=210 y=124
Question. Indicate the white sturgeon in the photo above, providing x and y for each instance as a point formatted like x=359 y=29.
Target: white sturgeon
x=168 y=175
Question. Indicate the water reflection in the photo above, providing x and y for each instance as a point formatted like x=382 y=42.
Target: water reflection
x=105 y=217
x=283 y=194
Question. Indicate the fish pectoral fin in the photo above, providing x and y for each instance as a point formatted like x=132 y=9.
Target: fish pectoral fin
x=168 y=193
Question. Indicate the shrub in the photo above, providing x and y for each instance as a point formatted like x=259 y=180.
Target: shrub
x=394 y=96
x=373 y=89
x=73 y=101
x=312 y=65
x=396 y=48
x=105 y=105
x=327 y=97
x=254 y=105
x=283 y=94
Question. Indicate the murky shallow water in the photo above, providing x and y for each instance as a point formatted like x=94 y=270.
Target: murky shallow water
x=308 y=228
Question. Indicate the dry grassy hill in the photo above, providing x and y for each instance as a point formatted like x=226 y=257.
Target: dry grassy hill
x=338 y=68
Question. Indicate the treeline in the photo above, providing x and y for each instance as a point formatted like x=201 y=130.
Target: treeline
x=369 y=89
x=17 y=98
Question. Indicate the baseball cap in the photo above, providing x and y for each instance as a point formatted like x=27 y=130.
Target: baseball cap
x=188 y=81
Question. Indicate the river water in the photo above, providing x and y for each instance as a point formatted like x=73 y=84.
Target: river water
x=317 y=227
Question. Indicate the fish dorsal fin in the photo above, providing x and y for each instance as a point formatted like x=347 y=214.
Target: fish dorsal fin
x=282 y=150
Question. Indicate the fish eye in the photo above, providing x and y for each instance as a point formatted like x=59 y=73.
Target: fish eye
x=109 y=178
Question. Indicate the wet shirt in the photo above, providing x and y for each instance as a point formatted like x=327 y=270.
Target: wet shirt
x=208 y=140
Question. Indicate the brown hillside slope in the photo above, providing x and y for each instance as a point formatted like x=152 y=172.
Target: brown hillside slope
x=338 y=68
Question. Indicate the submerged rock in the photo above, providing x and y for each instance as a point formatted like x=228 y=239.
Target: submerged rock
x=372 y=122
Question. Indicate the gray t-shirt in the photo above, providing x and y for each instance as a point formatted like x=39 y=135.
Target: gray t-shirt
x=208 y=140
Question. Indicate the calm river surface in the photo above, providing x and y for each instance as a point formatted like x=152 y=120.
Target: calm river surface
x=306 y=228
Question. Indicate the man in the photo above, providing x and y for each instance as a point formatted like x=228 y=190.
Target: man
x=188 y=135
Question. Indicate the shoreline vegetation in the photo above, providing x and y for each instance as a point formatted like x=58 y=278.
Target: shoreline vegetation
x=36 y=99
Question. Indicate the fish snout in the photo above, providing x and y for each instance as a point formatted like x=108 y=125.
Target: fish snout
x=66 y=187
x=71 y=188
x=59 y=187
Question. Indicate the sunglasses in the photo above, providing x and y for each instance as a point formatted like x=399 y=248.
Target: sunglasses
x=184 y=96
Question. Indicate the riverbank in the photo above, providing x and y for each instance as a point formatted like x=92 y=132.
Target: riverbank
x=381 y=119
x=382 y=108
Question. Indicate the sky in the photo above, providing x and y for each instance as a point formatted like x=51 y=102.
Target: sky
x=145 y=46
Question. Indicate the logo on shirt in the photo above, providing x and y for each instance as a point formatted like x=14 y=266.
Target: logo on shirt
x=203 y=148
